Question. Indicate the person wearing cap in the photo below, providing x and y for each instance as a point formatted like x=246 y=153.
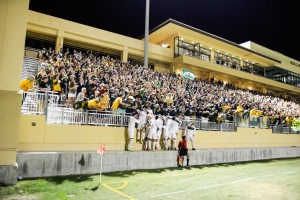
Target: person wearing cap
x=26 y=85
x=183 y=151
x=131 y=105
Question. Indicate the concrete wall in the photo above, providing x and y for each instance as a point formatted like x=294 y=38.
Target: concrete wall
x=13 y=20
x=32 y=165
x=63 y=138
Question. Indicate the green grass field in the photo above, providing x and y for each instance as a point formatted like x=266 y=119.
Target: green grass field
x=264 y=180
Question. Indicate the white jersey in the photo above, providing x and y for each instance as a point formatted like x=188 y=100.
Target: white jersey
x=190 y=133
x=131 y=126
x=160 y=123
x=131 y=122
x=142 y=116
x=174 y=126
x=142 y=119
x=152 y=129
x=166 y=127
x=150 y=111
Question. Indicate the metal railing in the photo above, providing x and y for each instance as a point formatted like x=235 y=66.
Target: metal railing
x=252 y=121
x=71 y=116
x=283 y=129
x=46 y=103
x=38 y=102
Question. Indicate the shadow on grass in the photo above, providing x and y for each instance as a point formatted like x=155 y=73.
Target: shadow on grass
x=74 y=178
x=242 y=163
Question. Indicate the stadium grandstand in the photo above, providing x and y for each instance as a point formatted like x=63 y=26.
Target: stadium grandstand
x=242 y=98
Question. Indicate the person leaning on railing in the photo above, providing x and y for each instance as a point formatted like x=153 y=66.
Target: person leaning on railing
x=94 y=104
x=43 y=87
x=81 y=101
x=118 y=106
x=26 y=85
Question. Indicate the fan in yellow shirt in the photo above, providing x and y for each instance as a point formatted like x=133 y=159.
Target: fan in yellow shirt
x=94 y=104
x=27 y=84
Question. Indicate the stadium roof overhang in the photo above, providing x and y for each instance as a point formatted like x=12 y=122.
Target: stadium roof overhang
x=173 y=28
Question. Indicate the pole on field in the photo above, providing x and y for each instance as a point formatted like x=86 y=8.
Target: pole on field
x=101 y=168
x=146 y=33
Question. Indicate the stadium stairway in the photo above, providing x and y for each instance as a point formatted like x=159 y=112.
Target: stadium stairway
x=29 y=67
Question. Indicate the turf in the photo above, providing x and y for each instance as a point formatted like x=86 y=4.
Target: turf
x=270 y=179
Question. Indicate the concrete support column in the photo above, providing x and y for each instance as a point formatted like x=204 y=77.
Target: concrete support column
x=211 y=75
x=264 y=89
x=212 y=56
x=124 y=55
x=13 y=23
x=59 y=40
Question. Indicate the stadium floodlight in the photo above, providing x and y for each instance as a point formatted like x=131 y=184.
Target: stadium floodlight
x=146 y=41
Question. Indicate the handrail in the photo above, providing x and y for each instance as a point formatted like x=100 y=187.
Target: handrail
x=42 y=102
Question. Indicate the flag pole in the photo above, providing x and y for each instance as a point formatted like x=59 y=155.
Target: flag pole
x=101 y=166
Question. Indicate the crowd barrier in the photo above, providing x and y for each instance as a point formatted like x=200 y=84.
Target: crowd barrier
x=46 y=103
x=283 y=129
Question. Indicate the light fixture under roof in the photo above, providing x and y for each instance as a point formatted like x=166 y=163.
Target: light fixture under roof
x=218 y=50
x=210 y=48
x=201 y=45
x=226 y=53
x=193 y=42
x=164 y=45
x=181 y=38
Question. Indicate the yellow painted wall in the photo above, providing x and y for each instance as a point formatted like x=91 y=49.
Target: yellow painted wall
x=49 y=137
x=13 y=20
x=48 y=25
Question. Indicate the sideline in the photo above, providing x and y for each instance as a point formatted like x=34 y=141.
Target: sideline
x=116 y=190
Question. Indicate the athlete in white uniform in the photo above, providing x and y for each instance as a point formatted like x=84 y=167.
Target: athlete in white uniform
x=141 y=126
x=147 y=140
x=159 y=131
x=190 y=133
x=130 y=130
x=173 y=132
x=165 y=133
x=152 y=137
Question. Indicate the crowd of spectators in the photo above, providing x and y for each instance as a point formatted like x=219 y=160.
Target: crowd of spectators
x=84 y=76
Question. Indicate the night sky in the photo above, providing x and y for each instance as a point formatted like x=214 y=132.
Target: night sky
x=270 y=23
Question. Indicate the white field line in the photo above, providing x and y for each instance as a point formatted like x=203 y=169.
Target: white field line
x=241 y=180
x=290 y=172
x=267 y=175
x=199 y=188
